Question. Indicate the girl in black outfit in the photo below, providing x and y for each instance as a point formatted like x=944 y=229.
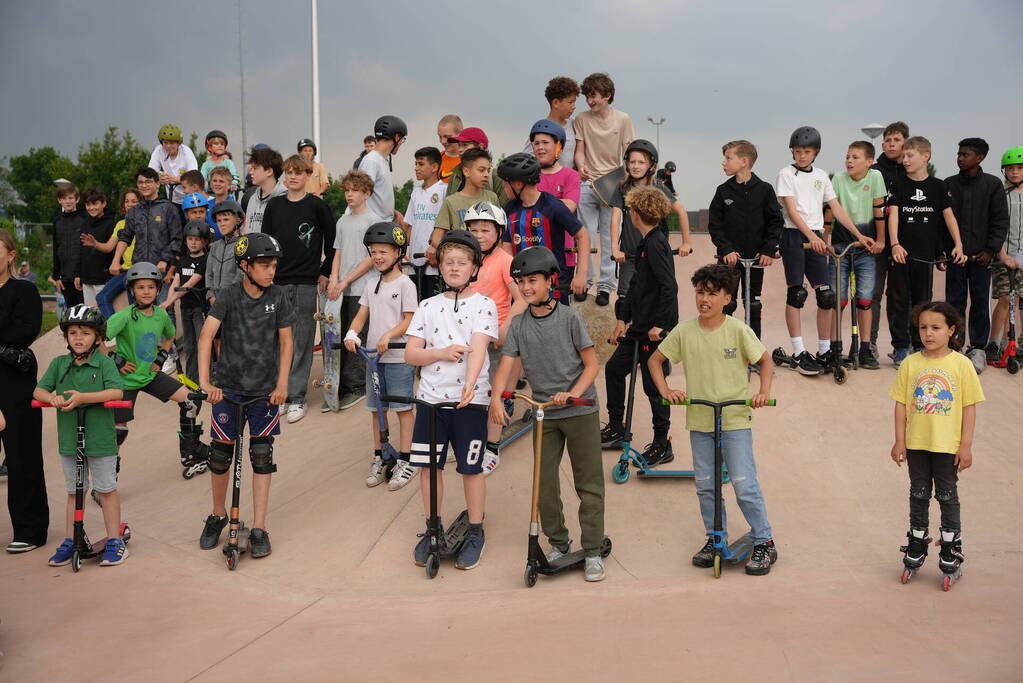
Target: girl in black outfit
x=21 y=314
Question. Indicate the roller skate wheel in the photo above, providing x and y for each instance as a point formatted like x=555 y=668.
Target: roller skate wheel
x=76 y=561
x=620 y=472
x=432 y=565
x=187 y=473
x=530 y=576
x=232 y=558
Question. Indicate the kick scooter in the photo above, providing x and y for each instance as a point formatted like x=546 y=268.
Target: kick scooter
x=733 y=552
x=748 y=264
x=450 y=542
x=1009 y=359
x=536 y=560
x=836 y=363
x=83 y=549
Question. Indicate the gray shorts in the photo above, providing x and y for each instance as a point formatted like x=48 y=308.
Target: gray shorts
x=103 y=470
x=162 y=387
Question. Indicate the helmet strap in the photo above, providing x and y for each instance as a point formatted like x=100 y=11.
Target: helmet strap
x=804 y=169
x=383 y=273
x=255 y=284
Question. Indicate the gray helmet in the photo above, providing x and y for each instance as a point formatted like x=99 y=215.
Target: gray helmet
x=805 y=136
x=388 y=126
x=641 y=145
x=306 y=142
x=198 y=229
x=143 y=270
x=670 y=166
x=520 y=166
x=256 y=245
x=464 y=238
x=229 y=206
x=216 y=134
x=536 y=259
x=385 y=232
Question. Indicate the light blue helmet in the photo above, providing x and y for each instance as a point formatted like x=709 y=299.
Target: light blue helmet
x=194 y=200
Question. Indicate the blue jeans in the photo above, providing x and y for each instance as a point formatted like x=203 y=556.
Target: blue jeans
x=737 y=449
x=864 y=265
x=106 y=296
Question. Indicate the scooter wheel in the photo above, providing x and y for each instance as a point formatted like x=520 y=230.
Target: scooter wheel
x=946 y=582
x=232 y=558
x=530 y=576
x=840 y=374
x=76 y=560
x=778 y=356
x=717 y=566
x=1012 y=365
x=620 y=472
x=432 y=565
x=605 y=547
x=187 y=473
x=907 y=574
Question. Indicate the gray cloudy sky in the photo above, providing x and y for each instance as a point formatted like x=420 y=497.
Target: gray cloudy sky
x=715 y=71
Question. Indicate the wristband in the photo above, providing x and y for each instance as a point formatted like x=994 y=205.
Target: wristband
x=119 y=360
x=161 y=358
x=352 y=336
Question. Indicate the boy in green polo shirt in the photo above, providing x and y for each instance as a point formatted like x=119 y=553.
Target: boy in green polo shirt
x=85 y=376
x=715 y=350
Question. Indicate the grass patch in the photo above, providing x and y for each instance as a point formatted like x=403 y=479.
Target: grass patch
x=49 y=322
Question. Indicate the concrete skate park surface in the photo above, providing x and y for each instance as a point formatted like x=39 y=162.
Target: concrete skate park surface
x=340 y=599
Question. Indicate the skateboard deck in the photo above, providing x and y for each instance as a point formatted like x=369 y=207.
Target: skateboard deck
x=517 y=427
x=329 y=317
x=604 y=186
x=600 y=321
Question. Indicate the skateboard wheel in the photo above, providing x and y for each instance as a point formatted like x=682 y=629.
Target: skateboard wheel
x=432 y=565
x=620 y=472
x=717 y=566
x=232 y=558
x=530 y=576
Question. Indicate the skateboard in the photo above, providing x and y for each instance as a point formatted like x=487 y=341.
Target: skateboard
x=604 y=186
x=329 y=317
x=600 y=322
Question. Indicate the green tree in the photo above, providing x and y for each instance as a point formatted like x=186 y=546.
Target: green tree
x=31 y=175
x=198 y=150
x=402 y=195
x=335 y=197
x=110 y=163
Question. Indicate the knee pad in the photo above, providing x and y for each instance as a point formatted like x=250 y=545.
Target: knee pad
x=756 y=307
x=122 y=434
x=920 y=492
x=946 y=496
x=261 y=453
x=731 y=306
x=220 y=457
x=863 y=304
x=826 y=298
x=189 y=408
x=796 y=296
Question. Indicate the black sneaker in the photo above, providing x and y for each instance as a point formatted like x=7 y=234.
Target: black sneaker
x=579 y=297
x=824 y=359
x=603 y=298
x=211 y=529
x=611 y=436
x=705 y=557
x=472 y=548
x=991 y=352
x=868 y=361
x=807 y=365
x=259 y=543
x=658 y=453
x=761 y=559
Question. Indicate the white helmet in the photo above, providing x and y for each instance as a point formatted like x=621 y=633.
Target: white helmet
x=485 y=211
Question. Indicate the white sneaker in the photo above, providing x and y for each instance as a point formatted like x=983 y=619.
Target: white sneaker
x=556 y=554
x=594 y=570
x=376 y=474
x=401 y=475
x=491 y=460
x=296 y=411
x=170 y=367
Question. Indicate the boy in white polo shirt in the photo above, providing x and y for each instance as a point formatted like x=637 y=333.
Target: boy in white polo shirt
x=420 y=216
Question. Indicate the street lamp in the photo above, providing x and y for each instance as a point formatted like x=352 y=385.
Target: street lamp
x=872 y=130
x=657 y=127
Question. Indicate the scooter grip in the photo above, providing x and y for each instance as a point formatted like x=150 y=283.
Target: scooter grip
x=40 y=404
x=421 y=254
x=117 y=404
x=507 y=394
x=580 y=402
x=770 y=402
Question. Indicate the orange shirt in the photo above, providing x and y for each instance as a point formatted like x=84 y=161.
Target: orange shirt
x=493 y=280
x=447 y=164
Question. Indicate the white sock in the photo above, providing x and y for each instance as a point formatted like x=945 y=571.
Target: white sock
x=823 y=346
x=797 y=346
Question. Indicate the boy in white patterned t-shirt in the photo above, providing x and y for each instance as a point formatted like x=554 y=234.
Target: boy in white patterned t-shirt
x=420 y=216
x=448 y=338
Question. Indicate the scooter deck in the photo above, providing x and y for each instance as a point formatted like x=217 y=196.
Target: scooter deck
x=653 y=473
x=572 y=560
x=739 y=550
x=515 y=429
x=243 y=538
x=454 y=535
x=96 y=549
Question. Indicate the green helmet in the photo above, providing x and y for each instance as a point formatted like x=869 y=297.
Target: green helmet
x=1012 y=156
x=170 y=132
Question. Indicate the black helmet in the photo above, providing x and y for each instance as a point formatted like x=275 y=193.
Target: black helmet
x=520 y=166
x=143 y=271
x=229 y=206
x=216 y=134
x=388 y=126
x=80 y=314
x=642 y=145
x=306 y=142
x=805 y=136
x=385 y=232
x=198 y=229
x=552 y=128
x=670 y=167
x=534 y=260
x=256 y=245
x=466 y=239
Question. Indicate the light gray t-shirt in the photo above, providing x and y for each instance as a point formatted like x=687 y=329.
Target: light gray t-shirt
x=549 y=348
x=567 y=156
x=351 y=228
x=381 y=202
x=386 y=307
x=257 y=206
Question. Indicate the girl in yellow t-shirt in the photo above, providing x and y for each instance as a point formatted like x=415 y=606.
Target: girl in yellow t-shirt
x=936 y=391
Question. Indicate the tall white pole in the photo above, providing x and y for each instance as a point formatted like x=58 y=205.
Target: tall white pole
x=241 y=75
x=316 y=82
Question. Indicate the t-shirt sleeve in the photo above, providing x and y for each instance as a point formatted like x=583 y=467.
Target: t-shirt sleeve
x=49 y=379
x=969 y=381
x=671 y=346
x=895 y=196
x=417 y=328
x=338 y=233
x=786 y=184
x=364 y=299
x=572 y=187
x=829 y=189
x=486 y=319
x=116 y=323
x=944 y=198
x=580 y=335
x=444 y=217
x=409 y=296
x=168 y=326
x=109 y=374
x=511 y=340
x=285 y=311
x=219 y=308
x=897 y=390
x=877 y=188
x=618 y=199
x=752 y=347
x=566 y=218
x=628 y=134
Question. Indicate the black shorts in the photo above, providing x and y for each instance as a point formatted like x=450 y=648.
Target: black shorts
x=162 y=386
x=799 y=262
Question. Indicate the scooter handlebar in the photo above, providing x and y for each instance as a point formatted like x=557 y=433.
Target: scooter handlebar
x=390 y=345
x=105 y=404
x=698 y=402
x=572 y=401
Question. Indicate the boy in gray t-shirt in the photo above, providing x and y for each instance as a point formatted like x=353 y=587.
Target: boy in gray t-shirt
x=559 y=362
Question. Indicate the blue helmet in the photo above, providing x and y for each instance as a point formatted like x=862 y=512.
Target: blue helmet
x=552 y=128
x=194 y=200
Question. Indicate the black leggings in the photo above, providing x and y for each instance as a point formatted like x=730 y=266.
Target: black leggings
x=940 y=468
x=617 y=368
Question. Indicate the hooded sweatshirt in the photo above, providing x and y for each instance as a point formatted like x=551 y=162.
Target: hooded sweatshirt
x=155 y=225
x=94 y=262
x=67 y=244
x=746 y=217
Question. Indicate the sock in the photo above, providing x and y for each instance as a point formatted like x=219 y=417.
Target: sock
x=823 y=346
x=407 y=457
x=494 y=448
x=864 y=347
x=797 y=346
x=378 y=453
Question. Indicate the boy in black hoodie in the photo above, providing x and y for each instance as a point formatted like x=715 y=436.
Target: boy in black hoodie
x=94 y=263
x=67 y=246
x=978 y=202
x=304 y=226
x=745 y=222
x=650 y=312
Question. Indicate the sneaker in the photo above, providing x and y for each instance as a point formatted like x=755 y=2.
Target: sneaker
x=594 y=570
x=557 y=553
x=63 y=554
x=115 y=552
x=296 y=411
x=705 y=556
x=991 y=352
x=808 y=365
x=376 y=474
x=324 y=408
x=898 y=355
x=580 y=297
x=402 y=474
x=210 y=537
x=611 y=436
x=259 y=543
x=16 y=547
x=491 y=459
x=603 y=298
x=472 y=548
x=868 y=361
x=658 y=453
x=349 y=400
x=422 y=548
x=823 y=359
x=761 y=559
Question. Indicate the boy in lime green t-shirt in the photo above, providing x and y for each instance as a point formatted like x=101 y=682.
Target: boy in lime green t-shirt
x=715 y=350
x=81 y=377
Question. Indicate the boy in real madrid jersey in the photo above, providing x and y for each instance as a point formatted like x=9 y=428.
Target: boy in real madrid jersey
x=420 y=217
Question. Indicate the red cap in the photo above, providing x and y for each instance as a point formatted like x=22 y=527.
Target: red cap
x=472 y=135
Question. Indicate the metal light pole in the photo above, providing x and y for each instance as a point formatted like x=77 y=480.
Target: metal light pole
x=241 y=73
x=657 y=127
x=316 y=81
